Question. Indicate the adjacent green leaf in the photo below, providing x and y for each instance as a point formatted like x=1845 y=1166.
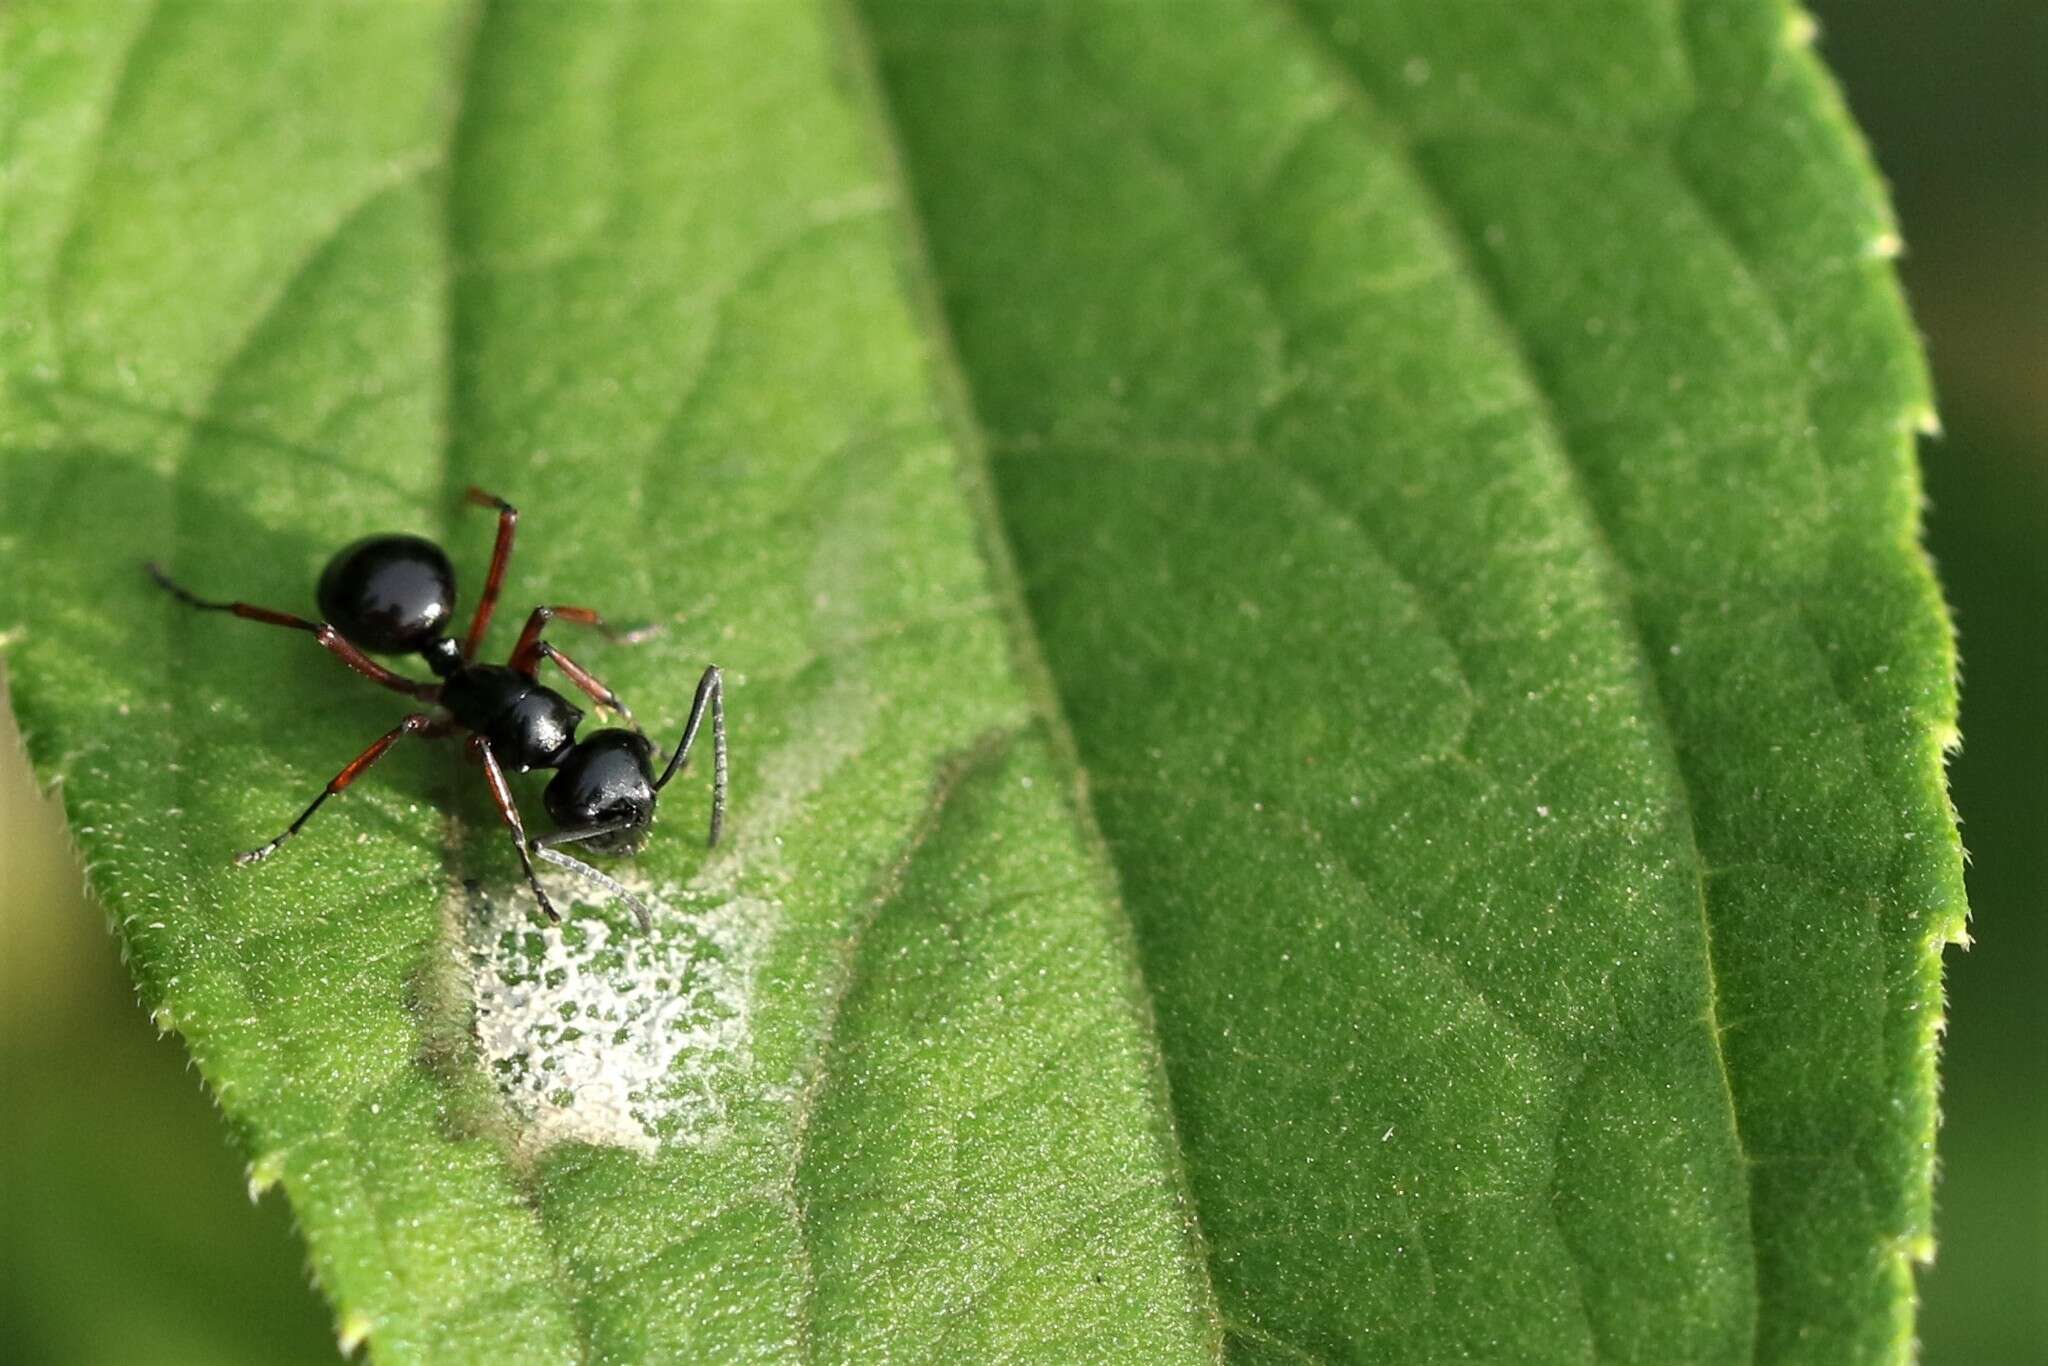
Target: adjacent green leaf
x=1487 y=429
x=1456 y=460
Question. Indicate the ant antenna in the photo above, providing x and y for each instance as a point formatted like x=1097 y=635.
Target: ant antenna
x=711 y=690
x=612 y=885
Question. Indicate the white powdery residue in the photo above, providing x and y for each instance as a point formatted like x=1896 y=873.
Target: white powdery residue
x=597 y=1033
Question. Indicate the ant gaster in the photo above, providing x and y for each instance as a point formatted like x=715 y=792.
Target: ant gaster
x=395 y=594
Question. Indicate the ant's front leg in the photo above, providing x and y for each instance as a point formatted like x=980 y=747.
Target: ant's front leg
x=501 y=793
x=537 y=620
x=329 y=638
x=531 y=649
x=588 y=682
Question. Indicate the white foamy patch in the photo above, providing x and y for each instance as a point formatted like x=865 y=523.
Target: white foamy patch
x=596 y=1032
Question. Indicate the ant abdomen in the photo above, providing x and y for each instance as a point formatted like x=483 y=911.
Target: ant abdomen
x=390 y=594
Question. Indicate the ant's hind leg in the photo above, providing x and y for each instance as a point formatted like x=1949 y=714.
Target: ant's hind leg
x=419 y=723
x=494 y=581
x=330 y=639
x=501 y=793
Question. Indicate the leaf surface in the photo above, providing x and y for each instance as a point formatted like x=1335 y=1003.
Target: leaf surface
x=1442 y=473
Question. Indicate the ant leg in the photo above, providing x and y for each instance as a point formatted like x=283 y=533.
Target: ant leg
x=584 y=679
x=501 y=555
x=531 y=649
x=527 y=651
x=419 y=723
x=329 y=638
x=710 y=689
x=501 y=793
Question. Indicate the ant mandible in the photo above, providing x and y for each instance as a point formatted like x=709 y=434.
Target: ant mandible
x=394 y=594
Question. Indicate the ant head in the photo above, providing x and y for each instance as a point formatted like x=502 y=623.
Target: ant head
x=605 y=784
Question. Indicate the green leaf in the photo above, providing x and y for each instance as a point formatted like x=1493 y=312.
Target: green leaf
x=1336 y=714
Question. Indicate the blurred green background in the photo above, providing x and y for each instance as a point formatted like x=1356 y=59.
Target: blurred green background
x=125 y=1231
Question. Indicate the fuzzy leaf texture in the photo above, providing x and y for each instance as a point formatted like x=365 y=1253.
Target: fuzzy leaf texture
x=1337 y=716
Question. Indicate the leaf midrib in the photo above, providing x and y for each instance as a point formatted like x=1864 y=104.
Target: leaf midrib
x=953 y=390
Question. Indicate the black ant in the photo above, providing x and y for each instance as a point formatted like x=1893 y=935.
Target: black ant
x=394 y=594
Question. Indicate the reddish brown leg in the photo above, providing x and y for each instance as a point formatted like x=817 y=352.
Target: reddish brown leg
x=501 y=793
x=525 y=652
x=531 y=650
x=419 y=723
x=329 y=638
x=588 y=681
x=494 y=582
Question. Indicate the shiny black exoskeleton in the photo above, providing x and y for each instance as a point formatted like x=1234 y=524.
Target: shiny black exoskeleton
x=391 y=595
x=528 y=726
x=607 y=785
x=395 y=594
